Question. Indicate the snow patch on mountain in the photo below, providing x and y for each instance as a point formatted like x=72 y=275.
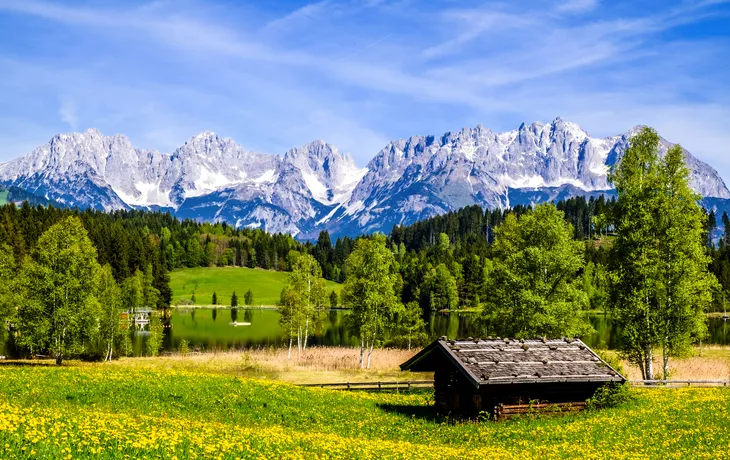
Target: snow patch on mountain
x=415 y=178
x=315 y=187
x=268 y=177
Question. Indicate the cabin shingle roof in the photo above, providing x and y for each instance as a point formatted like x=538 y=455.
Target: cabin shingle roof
x=502 y=361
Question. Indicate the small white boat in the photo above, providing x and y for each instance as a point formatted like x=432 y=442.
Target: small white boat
x=238 y=323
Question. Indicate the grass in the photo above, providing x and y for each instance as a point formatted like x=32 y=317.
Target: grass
x=119 y=411
x=316 y=365
x=3 y=197
x=340 y=364
x=266 y=285
x=710 y=362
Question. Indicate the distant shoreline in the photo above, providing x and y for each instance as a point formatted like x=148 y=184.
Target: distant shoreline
x=240 y=307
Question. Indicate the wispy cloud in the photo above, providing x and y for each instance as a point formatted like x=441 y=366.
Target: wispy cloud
x=473 y=24
x=67 y=112
x=298 y=17
x=358 y=73
x=578 y=6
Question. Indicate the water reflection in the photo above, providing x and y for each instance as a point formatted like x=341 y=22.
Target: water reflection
x=205 y=331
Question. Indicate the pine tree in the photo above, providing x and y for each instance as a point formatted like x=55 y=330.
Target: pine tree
x=8 y=288
x=214 y=301
x=248 y=297
x=440 y=291
x=234 y=300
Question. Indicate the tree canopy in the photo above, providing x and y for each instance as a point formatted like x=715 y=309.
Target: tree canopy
x=660 y=284
x=59 y=311
x=371 y=291
x=533 y=289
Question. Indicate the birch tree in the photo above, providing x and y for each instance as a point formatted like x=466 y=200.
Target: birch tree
x=411 y=325
x=110 y=296
x=59 y=312
x=304 y=300
x=685 y=286
x=635 y=251
x=660 y=284
x=288 y=304
x=370 y=291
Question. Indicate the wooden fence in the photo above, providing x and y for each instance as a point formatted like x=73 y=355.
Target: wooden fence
x=374 y=386
x=416 y=384
x=679 y=383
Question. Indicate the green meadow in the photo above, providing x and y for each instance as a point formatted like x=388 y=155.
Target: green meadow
x=115 y=411
x=266 y=285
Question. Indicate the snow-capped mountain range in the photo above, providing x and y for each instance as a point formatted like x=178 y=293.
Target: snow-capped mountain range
x=315 y=187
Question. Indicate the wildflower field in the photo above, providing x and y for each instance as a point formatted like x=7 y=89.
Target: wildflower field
x=104 y=411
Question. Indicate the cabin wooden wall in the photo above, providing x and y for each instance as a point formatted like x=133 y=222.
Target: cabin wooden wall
x=454 y=394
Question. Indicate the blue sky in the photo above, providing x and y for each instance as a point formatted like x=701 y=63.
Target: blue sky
x=273 y=75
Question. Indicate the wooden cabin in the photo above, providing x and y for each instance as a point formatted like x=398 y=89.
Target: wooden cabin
x=503 y=377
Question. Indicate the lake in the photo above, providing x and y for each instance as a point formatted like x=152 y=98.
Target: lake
x=211 y=329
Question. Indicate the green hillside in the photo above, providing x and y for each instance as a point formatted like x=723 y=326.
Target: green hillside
x=3 y=197
x=266 y=285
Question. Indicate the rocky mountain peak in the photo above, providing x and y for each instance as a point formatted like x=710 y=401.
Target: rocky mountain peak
x=316 y=186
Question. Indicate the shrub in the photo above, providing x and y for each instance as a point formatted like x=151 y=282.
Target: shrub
x=612 y=360
x=609 y=395
x=184 y=347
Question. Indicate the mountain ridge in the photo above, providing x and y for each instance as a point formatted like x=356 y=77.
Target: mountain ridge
x=316 y=187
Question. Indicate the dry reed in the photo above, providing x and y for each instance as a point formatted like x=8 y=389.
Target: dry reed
x=315 y=365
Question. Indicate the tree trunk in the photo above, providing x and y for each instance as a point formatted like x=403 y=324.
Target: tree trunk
x=299 y=340
x=362 y=352
x=370 y=352
x=111 y=347
x=649 y=362
x=290 y=343
x=59 y=358
x=306 y=335
x=700 y=347
x=641 y=366
x=665 y=356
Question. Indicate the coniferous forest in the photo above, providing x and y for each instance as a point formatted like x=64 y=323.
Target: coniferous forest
x=459 y=241
x=526 y=271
